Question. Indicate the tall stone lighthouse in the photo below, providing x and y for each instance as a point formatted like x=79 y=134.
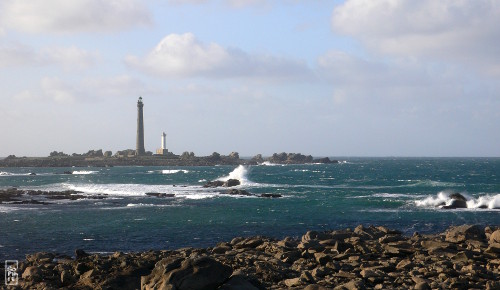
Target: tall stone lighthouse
x=139 y=148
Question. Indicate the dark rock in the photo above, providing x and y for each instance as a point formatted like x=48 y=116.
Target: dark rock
x=215 y=183
x=68 y=172
x=231 y=183
x=457 y=196
x=79 y=253
x=237 y=192
x=159 y=194
x=238 y=282
x=455 y=203
x=271 y=195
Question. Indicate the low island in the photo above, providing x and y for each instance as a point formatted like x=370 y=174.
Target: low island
x=98 y=158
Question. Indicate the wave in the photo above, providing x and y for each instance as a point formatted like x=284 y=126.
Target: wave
x=241 y=172
x=268 y=163
x=84 y=172
x=173 y=171
x=443 y=198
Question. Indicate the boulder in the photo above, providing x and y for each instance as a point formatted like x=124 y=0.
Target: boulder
x=32 y=273
x=231 y=183
x=495 y=237
x=463 y=233
x=215 y=183
x=79 y=253
x=237 y=192
x=457 y=201
x=192 y=273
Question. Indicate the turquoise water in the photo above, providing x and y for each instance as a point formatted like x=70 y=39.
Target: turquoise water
x=400 y=193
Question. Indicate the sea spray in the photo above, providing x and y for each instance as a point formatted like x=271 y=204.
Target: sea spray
x=240 y=173
x=443 y=198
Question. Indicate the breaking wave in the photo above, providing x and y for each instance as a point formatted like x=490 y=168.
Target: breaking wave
x=241 y=172
x=173 y=171
x=84 y=172
x=443 y=198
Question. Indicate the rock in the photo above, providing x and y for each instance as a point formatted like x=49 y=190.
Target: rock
x=457 y=201
x=293 y=282
x=159 y=194
x=422 y=286
x=271 y=195
x=495 y=237
x=79 y=253
x=466 y=232
x=231 y=183
x=66 y=278
x=458 y=196
x=32 y=273
x=237 y=192
x=192 y=273
x=238 y=282
x=494 y=249
x=215 y=183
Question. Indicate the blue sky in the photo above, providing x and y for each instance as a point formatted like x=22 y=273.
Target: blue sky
x=334 y=78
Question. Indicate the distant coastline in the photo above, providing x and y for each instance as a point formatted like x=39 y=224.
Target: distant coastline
x=123 y=158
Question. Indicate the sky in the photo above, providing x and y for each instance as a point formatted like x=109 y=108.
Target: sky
x=327 y=78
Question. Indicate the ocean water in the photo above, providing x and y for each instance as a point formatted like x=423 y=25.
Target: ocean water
x=400 y=193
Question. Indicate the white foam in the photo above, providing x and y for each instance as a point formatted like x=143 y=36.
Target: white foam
x=173 y=171
x=443 y=197
x=84 y=172
x=268 y=163
x=240 y=173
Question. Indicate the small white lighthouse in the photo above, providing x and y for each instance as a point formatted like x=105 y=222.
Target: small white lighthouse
x=163 y=150
x=163 y=141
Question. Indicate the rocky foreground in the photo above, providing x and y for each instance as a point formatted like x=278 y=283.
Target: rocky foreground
x=464 y=257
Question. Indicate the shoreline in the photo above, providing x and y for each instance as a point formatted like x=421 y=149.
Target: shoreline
x=466 y=256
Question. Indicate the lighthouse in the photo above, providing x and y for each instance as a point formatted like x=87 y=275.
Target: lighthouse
x=163 y=150
x=139 y=148
x=163 y=141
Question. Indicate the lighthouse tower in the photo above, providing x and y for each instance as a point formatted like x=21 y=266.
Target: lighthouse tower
x=163 y=150
x=139 y=148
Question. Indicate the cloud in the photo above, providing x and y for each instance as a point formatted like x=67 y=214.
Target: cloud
x=57 y=90
x=466 y=32
x=16 y=54
x=62 y=16
x=182 y=55
x=70 y=58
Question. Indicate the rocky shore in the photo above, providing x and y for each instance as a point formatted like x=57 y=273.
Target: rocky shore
x=463 y=257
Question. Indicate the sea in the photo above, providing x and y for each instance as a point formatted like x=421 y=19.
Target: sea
x=399 y=193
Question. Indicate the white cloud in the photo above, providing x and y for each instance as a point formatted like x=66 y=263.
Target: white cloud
x=184 y=56
x=464 y=31
x=73 y=16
